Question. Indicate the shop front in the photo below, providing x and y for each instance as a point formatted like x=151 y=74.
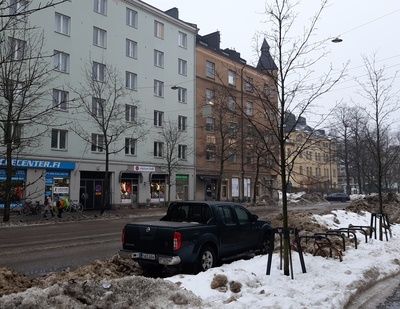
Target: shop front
x=129 y=190
x=35 y=179
x=209 y=184
x=17 y=184
x=182 y=187
x=157 y=188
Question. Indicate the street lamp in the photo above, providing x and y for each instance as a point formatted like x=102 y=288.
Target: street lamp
x=337 y=40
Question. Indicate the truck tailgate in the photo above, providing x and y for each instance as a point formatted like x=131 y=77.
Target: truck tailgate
x=152 y=236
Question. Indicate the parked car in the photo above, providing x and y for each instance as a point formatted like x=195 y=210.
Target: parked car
x=196 y=236
x=340 y=197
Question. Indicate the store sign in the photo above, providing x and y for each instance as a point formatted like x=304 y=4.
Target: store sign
x=61 y=190
x=139 y=168
x=18 y=175
x=39 y=164
x=182 y=177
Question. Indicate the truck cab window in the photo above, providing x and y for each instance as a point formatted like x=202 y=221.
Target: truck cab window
x=242 y=215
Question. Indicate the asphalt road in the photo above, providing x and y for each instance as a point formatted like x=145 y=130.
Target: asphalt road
x=57 y=244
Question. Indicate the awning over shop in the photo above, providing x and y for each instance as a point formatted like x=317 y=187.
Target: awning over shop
x=205 y=177
x=129 y=175
x=157 y=176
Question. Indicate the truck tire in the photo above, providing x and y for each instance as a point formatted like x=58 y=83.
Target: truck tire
x=265 y=244
x=207 y=259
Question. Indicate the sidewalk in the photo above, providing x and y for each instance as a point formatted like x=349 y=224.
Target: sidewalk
x=87 y=214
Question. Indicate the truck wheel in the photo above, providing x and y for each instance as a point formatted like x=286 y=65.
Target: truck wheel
x=206 y=259
x=265 y=244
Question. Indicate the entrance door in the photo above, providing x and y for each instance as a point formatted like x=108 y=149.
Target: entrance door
x=135 y=196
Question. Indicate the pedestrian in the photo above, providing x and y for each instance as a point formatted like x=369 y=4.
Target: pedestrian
x=48 y=206
x=60 y=207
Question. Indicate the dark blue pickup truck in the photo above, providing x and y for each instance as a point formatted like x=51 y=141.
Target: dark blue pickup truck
x=196 y=236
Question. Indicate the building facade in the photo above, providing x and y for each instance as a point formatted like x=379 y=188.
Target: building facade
x=152 y=56
x=313 y=154
x=229 y=102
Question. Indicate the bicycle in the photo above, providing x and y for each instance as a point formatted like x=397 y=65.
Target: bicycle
x=32 y=208
x=74 y=205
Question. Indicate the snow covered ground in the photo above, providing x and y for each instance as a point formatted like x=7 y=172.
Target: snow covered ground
x=328 y=283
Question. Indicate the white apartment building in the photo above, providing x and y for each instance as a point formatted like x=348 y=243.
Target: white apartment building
x=153 y=53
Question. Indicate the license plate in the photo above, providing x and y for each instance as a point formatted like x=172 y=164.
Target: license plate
x=147 y=256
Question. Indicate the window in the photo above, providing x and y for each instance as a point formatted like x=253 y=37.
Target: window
x=301 y=170
x=62 y=24
x=182 y=149
x=182 y=39
x=158 y=30
x=242 y=216
x=18 y=8
x=131 y=80
x=59 y=139
x=99 y=37
x=269 y=91
x=249 y=108
x=249 y=84
x=14 y=90
x=61 y=61
x=210 y=69
x=17 y=49
x=209 y=96
x=98 y=107
x=158 y=88
x=158 y=58
x=158 y=118
x=210 y=124
x=249 y=132
x=16 y=134
x=182 y=95
x=131 y=49
x=182 y=123
x=210 y=152
x=131 y=18
x=231 y=77
x=182 y=67
x=97 y=142
x=130 y=113
x=60 y=99
x=158 y=149
x=231 y=104
x=99 y=71
x=232 y=156
x=130 y=146
x=232 y=130
x=100 y=6
x=249 y=158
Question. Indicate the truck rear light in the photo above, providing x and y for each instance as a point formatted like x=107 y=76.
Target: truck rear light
x=123 y=235
x=177 y=240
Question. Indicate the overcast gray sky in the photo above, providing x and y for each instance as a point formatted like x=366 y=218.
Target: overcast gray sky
x=366 y=27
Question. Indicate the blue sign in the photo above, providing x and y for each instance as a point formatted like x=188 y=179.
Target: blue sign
x=39 y=164
x=18 y=175
x=55 y=174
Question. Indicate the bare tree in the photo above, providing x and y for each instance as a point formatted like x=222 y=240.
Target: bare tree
x=104 y=100
x=382 y=101
x=25 y=116
x=295 y=56
x=225 y=146
x=344 y=120
x=176 y=149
